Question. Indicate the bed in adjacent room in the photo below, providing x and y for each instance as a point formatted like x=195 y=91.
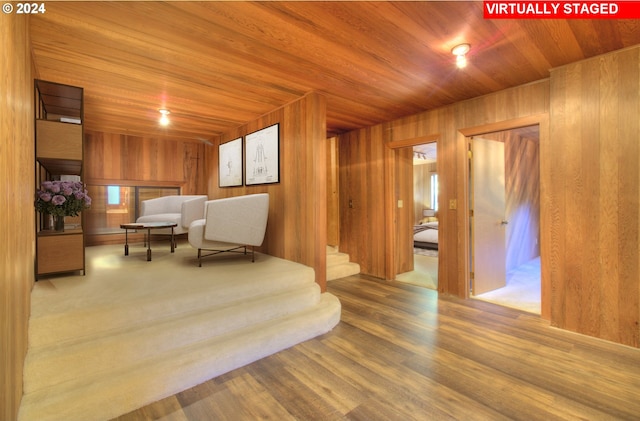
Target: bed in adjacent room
x=426 y=235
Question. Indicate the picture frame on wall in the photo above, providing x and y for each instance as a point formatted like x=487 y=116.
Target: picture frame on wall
x=230 y=163
x=262 y=156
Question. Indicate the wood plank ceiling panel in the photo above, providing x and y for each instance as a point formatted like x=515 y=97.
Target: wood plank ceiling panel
x=217 y=65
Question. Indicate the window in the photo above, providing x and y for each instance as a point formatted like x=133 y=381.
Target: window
x=112 y=206
x=113 y=195
x=434 y=192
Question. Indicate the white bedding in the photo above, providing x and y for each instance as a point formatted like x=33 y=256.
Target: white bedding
x=429 y=235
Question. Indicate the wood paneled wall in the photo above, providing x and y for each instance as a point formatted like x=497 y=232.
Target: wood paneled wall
x=589 y=196
x=17 y=190
x=119 y=157
x=362 y=199
x=371 y=171
x=333 y=193
x=297 y=227
x=144 y=161
x=594 y=212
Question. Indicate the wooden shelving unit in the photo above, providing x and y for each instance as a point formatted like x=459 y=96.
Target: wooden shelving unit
x=59 y=151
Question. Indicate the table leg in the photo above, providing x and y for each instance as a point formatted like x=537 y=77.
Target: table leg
x=149 y=245
x=173 y=244
x=126 y=242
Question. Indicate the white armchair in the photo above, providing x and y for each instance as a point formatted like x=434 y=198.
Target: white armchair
x=181 y=209
x=231 y=225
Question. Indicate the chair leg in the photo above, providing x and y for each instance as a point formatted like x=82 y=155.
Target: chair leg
x=199 y=258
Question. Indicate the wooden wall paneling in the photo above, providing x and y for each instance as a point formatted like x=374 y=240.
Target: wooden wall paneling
x=17 y=154
x=596 y=253
x=628 y=130
x=362 y=216
x=193 y=168
x=582 y=163
x=297 y=227
x=603 y=307
x=455 y=218
x=376 y=153
x=406 y=214
x=123 y=158
x=333 y=193
x=346 y=174
x=112 y=158
x=524 y=105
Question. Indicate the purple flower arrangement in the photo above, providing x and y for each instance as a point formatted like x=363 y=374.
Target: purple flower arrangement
x=62 y=198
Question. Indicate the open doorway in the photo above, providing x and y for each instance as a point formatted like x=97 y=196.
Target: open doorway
x=505 y=218
x=425 y=218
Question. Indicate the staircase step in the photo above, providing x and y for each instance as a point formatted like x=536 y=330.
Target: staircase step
x=337 y=259
x=51 y=365
x=176 y=370
x=342 y=271
x=118 y=339
x=84 y=312
x=339 y=264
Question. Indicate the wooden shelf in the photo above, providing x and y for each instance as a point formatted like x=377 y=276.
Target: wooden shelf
x=49 y=233
x=60 y=252
x=59 y=151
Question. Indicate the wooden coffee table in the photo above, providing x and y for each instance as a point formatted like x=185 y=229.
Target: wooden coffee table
x=147 y=226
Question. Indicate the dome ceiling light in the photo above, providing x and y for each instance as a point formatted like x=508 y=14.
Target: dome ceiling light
x=460 y=51
x=164 y=117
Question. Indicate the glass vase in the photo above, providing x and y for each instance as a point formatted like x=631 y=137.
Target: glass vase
x=58 y=223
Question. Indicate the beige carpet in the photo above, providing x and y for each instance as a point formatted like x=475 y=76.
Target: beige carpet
x=132 y=332
x=424 y=274
x=522 y=290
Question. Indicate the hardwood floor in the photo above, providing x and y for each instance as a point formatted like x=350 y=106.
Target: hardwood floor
x=400 y=353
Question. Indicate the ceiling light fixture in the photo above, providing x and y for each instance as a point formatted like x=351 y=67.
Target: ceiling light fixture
x=164 y=119
x=460 y=52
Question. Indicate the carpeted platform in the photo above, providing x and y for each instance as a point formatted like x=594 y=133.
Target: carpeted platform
x=132 y=332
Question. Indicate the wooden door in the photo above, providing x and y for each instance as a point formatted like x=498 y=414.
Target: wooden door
x=488 y=252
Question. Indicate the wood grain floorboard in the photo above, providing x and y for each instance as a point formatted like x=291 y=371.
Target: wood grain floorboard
x=401 y=352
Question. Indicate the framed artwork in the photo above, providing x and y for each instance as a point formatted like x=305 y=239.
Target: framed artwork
x=230 y=163
x=262 y=156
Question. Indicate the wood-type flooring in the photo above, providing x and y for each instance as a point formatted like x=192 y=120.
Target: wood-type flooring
x=402 y=353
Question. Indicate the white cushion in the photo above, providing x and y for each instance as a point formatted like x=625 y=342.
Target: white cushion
x=181 y=209
x=240 y=220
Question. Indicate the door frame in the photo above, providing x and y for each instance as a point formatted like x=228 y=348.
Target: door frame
x=542 y=120
x=391 y=265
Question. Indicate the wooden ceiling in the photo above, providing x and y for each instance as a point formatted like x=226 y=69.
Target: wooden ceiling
x=217 y=65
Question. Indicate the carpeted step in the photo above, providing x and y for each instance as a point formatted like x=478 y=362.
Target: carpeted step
x=337 y=258
x=78 y=313
x=342 y=271
x=48 y=366
x=338 y=264
x=132 y=332
x=125 y=388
